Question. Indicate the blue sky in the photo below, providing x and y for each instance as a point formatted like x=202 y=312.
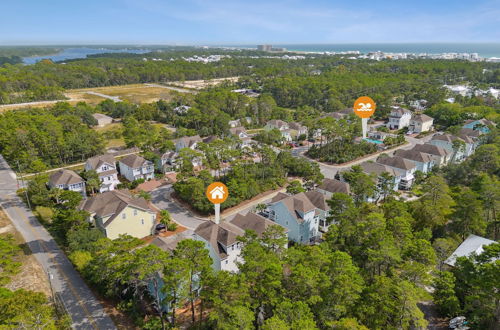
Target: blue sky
x=247 y=22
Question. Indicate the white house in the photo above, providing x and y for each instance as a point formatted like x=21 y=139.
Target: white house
x=67 y=180
x=221 y=239
x=301 y=214
x=118 y=213
x=445 y=141
x=241 y=133
x=166 y=161
x=134 y=167
x=234 y=123
x=187 y=142
x=105 y=166
x=406 y=167
x=330 y=186
x=280 y=125
x=297 y=129
x=421 y=123
x=441 y=156
x=423 y=161
x=376 y=169
x=102 y=119
x=399 y=118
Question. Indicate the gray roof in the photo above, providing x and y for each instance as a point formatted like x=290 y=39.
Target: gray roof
x=470 y=132
x=219 y=235
x=302 y=202
x=335 y=186
x=296 y=126
x=472 y=244
x=399 y=112
x=278 y=123
x=64 y=176
x=237 y=130
x=97 y=161
x=377 y=169
x=133 y=161
x=448 y=138
x=189 y=140
x=170 y=243
x=397 y=162
x=111 y=203
x=414 y=155
x=98 y=116
x=252 y=221
x=422 y=118
x=431 y=149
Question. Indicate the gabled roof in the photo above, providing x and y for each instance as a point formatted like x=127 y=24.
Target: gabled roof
x=335 y=186
x=431 y=149
x=133 y=161
x=219 y=235
x=301 y=203
x=277 y=123
x=188 y=140
x=399 y=112
x=474 y=133
x=252 y=221
x=237 y=130
x=483 y=121
x=170 y=243
x=397 y=162
x=414 y=155
x=377 y=169
x=64 y=176
x=97 y=161
x=335 y=115
x=111 y=203
x=472 y=244
x=296 y=126
x=446 y=137
x=422 y=118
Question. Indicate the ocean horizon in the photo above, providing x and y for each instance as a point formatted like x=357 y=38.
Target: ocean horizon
x=486 y=49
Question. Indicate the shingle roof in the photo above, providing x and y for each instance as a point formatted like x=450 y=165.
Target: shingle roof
x=302 y=202
x=278 y=123
x=189 y=140
x=397 y=162
x=170 y=243
x=414 y=155
x=335 y=186
x=97 y=161
x=111 y=203
x=296 y=126
x=431 y=149
x=472 y=244
x=237 y=130
x=64 y=176
x=377 y=168
x=133 y=161
x=470 y=132
x=224 y=234
x=422 y=118
x=252 y=221
x=446 y=137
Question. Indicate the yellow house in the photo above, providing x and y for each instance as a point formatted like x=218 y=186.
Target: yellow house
x=118 y=213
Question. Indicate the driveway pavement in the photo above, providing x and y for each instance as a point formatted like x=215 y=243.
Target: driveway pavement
x=161 y=198
x=85 y=311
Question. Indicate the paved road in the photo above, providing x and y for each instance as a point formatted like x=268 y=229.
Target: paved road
x=329 y=171
x=162 y=200
x=85 y=311
x=177 y=89
x=109 y=97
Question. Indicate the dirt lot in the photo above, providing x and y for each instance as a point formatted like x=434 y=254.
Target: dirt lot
x=32 y=276
x=136 y=93
x=200 y=84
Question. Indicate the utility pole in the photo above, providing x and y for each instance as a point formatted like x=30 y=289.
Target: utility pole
x=22 y=182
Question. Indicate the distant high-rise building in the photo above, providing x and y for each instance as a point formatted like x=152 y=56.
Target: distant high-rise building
x=264 y=48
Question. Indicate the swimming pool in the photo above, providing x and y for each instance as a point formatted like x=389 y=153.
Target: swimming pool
x=374 y=141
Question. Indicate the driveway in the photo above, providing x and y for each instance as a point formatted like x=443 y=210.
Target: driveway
x=83 y=308
x=161 y=198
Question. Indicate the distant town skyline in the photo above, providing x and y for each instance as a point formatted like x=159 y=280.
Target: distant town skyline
x=196 y=22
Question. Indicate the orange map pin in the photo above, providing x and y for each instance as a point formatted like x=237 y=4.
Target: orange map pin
x=364 y=107
x=217 y=192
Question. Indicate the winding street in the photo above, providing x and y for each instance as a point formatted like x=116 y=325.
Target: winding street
x=79 y=301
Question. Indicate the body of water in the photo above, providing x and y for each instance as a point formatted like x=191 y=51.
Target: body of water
x=483 y=49
x=81 y=52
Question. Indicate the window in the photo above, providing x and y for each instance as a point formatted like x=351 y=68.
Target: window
x=142 y=221
x=124 y=215
x=226 y=262
x=135 y=212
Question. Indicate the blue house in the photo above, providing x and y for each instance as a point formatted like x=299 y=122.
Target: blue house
x=300 y=214
x=480 y=124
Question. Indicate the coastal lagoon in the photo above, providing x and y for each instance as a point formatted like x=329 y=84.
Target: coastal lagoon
x=80 y=52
